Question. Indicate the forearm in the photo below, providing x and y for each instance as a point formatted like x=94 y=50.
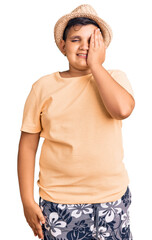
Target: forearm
x=26 y=166
x=118 y=102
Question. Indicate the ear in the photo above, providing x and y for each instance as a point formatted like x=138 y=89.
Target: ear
x=62 y=46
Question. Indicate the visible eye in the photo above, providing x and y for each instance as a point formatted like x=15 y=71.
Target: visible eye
x=74 y=40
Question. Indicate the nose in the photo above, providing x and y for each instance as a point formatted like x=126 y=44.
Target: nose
x=84 y=45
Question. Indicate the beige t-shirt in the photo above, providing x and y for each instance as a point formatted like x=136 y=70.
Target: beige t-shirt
x=81 y=159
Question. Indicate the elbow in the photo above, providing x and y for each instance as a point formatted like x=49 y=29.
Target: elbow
x=126 y=112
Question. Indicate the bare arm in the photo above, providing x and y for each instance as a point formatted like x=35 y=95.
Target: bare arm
x=118 y=102
x=26 y=165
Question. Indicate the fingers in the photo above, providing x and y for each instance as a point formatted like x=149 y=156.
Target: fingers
x=41 y=217
x=101 y=40
x=97 y=38
x=35 y=234
x=38 y=230
x=34 y=217
x=92 y=40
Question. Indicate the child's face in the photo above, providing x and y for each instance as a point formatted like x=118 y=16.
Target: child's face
x=78 y=41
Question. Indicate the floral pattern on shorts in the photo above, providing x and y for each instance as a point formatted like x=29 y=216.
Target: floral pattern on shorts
x=104 y=221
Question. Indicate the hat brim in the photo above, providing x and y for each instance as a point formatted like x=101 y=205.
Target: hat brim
x=62 y=23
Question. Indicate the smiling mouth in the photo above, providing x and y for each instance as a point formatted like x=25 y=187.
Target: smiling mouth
x=82 y=55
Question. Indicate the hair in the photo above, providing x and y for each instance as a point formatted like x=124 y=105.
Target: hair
x=78 y=21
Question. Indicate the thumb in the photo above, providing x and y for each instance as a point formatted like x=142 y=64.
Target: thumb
x=41 y=217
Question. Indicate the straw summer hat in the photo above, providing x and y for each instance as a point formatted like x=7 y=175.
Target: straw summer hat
x=84 y=10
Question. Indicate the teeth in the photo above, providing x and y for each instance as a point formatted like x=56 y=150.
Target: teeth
x=82 y=54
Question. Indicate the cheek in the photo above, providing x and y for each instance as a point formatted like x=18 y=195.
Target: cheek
x=72 y=48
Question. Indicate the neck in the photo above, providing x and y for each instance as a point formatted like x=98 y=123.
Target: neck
x=77 y=73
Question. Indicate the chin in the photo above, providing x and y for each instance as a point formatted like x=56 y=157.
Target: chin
x=83 y=66
x=80 y=67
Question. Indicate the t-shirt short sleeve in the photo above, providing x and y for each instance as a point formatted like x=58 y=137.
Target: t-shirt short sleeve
x=121 y=78
x=31 y=121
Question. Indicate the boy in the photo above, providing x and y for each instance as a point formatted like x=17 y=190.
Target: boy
x=83 y=183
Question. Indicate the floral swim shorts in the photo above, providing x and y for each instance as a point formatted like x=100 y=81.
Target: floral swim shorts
x=103 y=221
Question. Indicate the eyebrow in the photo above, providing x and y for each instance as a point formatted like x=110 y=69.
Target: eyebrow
x=73 y=37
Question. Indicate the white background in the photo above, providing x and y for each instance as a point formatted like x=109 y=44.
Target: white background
x=28 y=51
